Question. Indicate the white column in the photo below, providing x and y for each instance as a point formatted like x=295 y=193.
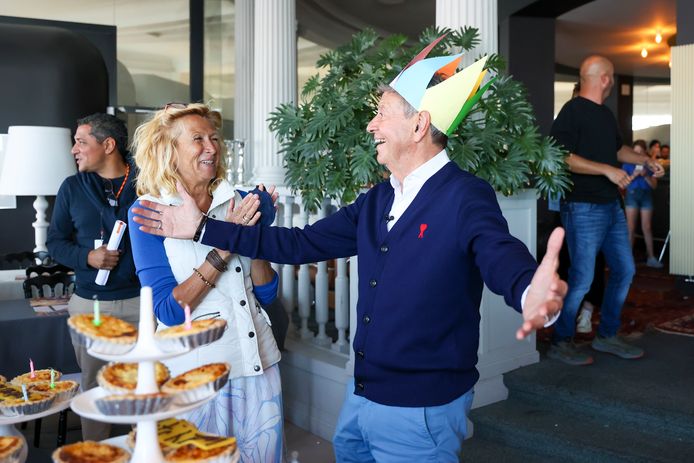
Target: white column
x=341 y=306
x=304 y=288
x=274 y=82
x=288 y=278
x=243 y=91
x=481 y=14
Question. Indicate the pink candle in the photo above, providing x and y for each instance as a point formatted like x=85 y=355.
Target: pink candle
x=188 y=322
x=31 y=367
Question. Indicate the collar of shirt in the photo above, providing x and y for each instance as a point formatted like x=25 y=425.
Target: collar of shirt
x=407 y=191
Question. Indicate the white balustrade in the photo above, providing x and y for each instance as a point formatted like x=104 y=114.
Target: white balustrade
x=312 y=298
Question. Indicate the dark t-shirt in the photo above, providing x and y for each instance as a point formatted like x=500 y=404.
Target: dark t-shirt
x=590 y=131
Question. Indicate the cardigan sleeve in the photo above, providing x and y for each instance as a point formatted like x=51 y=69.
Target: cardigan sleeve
x=505 y=264
x=332 y=237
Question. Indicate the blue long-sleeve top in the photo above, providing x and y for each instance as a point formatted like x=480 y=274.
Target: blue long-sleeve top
x=82 y=214
x=420 y=284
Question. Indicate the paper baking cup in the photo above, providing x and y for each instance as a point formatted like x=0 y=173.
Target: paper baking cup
x=100 y=345
x=201 y=392
x=59 y=395
x=28 y=408
x=133 y=404
x=191 y=341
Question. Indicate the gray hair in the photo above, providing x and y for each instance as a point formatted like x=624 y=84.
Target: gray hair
x=104 y=126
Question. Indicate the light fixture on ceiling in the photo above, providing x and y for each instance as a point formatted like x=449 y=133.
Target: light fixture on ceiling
x=658 y=37
x=644 y=52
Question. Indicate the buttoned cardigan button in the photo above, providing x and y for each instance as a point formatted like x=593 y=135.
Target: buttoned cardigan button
x=366 y=319
x=373 y=283
x=360 y=354
x=384 y=248
x=360 y=386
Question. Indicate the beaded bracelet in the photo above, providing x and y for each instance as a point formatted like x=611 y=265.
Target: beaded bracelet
x=216 y=261
x=204 y=280
x=201 y=225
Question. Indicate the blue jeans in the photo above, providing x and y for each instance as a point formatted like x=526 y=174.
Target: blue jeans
x=368 y=432
x=591 y=228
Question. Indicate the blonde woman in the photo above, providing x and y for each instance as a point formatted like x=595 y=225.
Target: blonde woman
x=180 y=147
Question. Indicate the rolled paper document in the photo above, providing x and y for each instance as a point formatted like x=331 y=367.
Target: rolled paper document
x=113 y=243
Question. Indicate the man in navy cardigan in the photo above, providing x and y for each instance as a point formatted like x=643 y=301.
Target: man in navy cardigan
x=427 y=240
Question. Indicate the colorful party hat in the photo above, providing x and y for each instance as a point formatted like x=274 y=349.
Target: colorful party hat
x=449 y=101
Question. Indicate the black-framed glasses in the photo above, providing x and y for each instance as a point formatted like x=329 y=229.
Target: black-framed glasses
x=110 y=194
x=175 y=105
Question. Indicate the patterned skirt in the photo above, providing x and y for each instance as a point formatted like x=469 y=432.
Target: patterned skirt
x=250 y=409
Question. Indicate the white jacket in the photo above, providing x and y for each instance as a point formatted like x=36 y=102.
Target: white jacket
x=247 y=344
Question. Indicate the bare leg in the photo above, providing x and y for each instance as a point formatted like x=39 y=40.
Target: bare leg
x=632 y=218
x=646 y=218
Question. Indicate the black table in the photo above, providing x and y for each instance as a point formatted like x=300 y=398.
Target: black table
x=25 y=334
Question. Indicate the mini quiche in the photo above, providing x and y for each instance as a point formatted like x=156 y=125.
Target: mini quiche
x=90 y=452
x=112 y=336
x=121 y=378
x=198 y=383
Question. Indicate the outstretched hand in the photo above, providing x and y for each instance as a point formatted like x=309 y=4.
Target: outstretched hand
x=171 y=221
x=545 y=296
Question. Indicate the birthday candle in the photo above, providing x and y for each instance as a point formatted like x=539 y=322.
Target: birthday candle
x=52 y=378
x=24 y=393
x=188 y=322
x=97 y=313
x=31 y=367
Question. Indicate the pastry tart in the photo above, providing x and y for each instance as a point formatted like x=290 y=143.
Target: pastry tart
x=202 y=332
x=180 y=441
x=121 y=378
x=198 y=383
x=133 y=404
x=39 y=376
x=90 y=452
x=63 y=390
x=11 y=448
x=12 y=401
x=113 y=336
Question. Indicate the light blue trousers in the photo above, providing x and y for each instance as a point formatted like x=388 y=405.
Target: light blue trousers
x=370 y=432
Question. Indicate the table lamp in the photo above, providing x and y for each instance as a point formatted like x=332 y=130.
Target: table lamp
x=37 y=160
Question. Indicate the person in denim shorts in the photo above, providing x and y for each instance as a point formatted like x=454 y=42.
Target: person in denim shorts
x=639 y=199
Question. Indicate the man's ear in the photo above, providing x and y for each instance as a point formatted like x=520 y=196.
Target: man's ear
x=422 y=126
x=109 y=145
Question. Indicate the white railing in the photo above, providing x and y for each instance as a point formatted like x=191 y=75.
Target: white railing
x=310 y=296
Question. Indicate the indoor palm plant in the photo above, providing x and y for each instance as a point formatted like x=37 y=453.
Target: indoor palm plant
x=329 y=154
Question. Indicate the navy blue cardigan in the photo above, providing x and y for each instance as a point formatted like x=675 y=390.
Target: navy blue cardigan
x=420 y=284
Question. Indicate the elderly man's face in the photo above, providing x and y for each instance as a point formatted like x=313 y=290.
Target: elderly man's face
x=392 y=130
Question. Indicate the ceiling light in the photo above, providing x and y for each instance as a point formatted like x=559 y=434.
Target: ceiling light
x=658 y=37
x=644 y=52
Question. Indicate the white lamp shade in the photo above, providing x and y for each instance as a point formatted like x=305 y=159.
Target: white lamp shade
x=37 y=160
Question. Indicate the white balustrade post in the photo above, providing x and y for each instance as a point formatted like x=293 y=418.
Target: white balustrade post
x=274 y=82
x=304 y=292
x=288 y=271
x=243 y=91
x=341 y=306
x=353 y=296
x=321 y=283
x=481 y=14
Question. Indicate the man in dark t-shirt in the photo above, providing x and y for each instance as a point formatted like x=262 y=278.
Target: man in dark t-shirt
x=592 y=214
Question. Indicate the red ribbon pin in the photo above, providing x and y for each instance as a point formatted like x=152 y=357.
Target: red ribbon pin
x=422 y=227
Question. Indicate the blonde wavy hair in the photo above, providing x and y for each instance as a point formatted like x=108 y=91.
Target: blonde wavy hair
x=154 y=148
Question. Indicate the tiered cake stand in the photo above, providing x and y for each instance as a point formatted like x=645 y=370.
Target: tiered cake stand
x=145 y=352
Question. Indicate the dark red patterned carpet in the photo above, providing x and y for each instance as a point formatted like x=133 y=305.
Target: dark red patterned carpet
x=655 y=301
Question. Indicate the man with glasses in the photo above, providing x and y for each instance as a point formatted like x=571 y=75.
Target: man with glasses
x=85 y=211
